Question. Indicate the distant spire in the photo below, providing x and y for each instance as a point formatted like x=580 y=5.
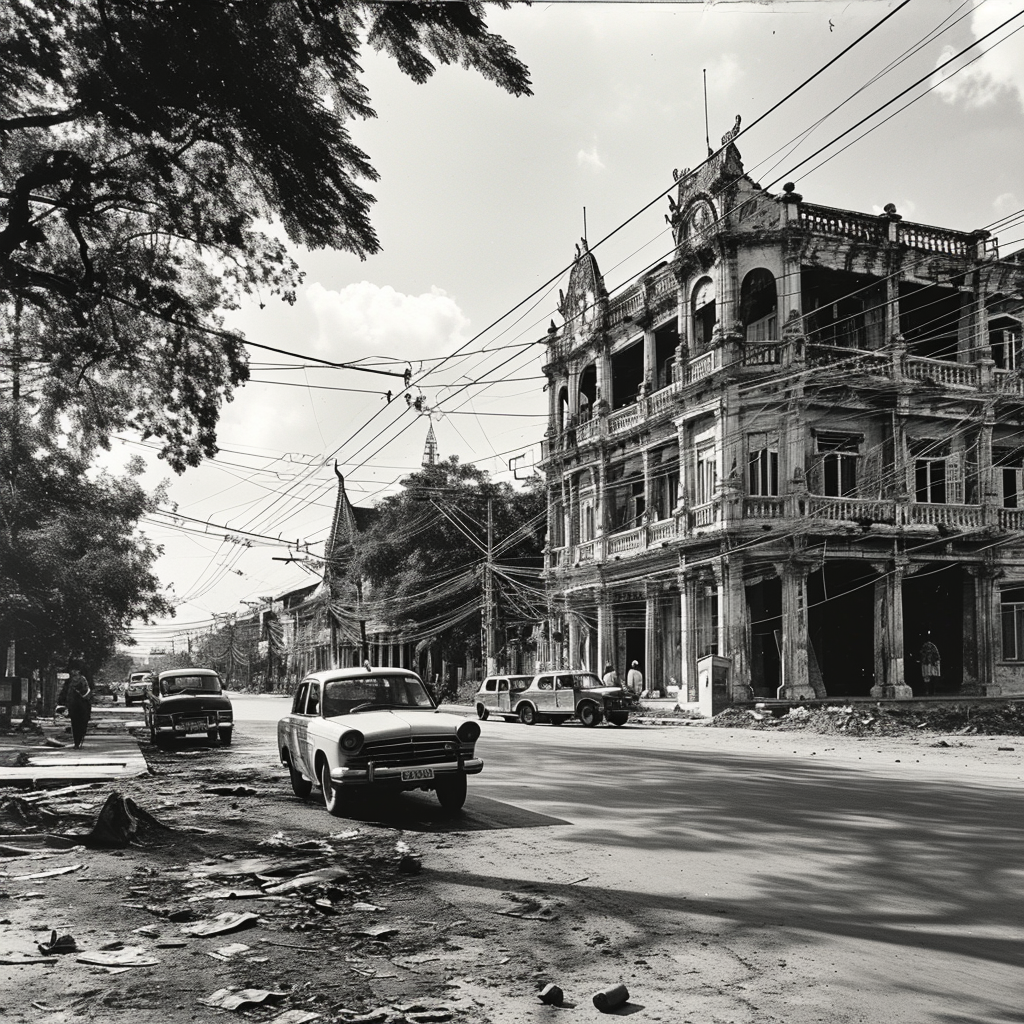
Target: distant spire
x=430 y=448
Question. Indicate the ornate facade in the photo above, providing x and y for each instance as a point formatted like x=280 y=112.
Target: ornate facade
x=796 y=445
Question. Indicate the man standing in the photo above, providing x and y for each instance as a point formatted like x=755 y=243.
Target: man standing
x=635 y=680
x=79 y=705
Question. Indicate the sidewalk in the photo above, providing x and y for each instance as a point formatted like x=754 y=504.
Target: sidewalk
x=109 y=752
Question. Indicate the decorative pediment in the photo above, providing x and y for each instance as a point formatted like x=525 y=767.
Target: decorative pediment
x=584 y=305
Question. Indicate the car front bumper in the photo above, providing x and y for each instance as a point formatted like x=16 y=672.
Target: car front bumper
x=374 y=775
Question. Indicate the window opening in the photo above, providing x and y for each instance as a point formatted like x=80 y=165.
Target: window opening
x=1012 y=604
x=763 y=465
x=839 y=454
x=703 y=314
x=707 y=475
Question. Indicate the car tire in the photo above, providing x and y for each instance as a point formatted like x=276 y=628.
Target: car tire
x=334 y=798
x=527 y=714
x=451 y=792
x=482 y=713
x=589 y=714
x=225 y=736
x=618 y=717
x=301 y=786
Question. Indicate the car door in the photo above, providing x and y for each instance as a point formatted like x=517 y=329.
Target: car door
x=565 y=694
x=488 y=695
x=544 y=696
x=504 y=696
x=296 y=729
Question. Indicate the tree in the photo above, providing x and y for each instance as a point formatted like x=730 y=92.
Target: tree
x=74 y=573
x=144 y=148
x=421 y=562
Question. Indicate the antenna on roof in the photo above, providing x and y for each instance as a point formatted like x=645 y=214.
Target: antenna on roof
x=707 y=131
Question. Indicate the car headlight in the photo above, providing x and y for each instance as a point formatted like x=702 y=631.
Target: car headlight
x=351 y=741
x=224 y=716
x=468 y=732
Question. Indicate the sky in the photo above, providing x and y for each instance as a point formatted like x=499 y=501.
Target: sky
x=481 y=201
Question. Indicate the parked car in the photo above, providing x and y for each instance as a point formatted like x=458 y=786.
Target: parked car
x=559 y=696
x=137 y=687
x=104 y=689
x=498 y=695
x=374 y=730
x=186 y=702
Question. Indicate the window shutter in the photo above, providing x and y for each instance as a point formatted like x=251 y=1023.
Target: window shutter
x=955 y=478
x=871 y=474
x=813 y=471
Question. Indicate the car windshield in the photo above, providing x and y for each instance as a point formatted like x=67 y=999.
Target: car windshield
x=190 y=684
x=344 y=695
x=586 y=682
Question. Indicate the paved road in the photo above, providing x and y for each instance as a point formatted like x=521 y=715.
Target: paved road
x=729 y=876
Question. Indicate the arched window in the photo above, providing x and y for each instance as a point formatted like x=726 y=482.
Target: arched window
x=562 y=408
x=588 y=392
x=703 y=313
x=759 y=306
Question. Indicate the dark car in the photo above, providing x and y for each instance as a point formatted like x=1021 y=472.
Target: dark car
x=188 y=702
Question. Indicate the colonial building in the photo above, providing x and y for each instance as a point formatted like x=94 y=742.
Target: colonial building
x=797 y=446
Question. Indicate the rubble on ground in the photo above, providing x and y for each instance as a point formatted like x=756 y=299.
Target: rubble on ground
x=959 y=718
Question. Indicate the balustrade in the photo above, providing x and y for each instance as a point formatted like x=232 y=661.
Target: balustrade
x=626 y=541
x=1008 y=382
x=827 y=221
x=960 y=517
x=852 y=509
x=703 y=366
x=762 y=353
x=585 y=552
x=587 y=430
x=705 y=515
x=764 y=507
x=663 y=530
x=1011 y=518
x=931 y=239
x=623 y=419
x=943 y=372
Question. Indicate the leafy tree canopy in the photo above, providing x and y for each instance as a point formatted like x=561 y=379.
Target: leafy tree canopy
x=424 y=554
x=74 y=572
x=145 y=145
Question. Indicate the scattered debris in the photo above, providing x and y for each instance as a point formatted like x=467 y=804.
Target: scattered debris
x=529 y=908
x=130 y=956
x=13 y=959
x=379 y=934
x=52 y=873
x=552 y=995
x=410 y=864
x=230 y=791
x=231 y=999
x=367 y=908
x=611 y=998
x=222 y=924
x=229 y=894
x=296 y=1017
x=122 y=822
x=64 y=944
x=306 y=881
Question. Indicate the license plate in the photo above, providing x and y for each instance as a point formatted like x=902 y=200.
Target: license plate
x=416 y=774
x=197 y=725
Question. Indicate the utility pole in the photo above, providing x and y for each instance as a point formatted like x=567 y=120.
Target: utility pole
x=490 y=662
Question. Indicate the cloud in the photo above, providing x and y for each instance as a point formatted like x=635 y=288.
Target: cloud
x=999 y=71
x=1006 y=203
x=589 y=158
x=370 y=319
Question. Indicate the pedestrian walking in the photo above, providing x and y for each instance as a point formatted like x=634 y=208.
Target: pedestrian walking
x=79 y=705
x=635 y=679
x=610 y=677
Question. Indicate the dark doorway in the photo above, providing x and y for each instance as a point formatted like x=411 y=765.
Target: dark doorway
x=933 y=613
x=764 y=601
x=841 y=625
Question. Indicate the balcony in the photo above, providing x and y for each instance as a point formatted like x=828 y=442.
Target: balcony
x=856 y=510
x=942 y=371
x=764 y=508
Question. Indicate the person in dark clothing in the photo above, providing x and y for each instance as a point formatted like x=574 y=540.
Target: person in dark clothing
x=79 y=701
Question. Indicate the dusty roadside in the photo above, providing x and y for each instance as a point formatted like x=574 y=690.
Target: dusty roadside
x=494 y=913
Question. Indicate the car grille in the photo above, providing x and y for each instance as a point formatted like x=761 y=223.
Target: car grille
x=409 y=751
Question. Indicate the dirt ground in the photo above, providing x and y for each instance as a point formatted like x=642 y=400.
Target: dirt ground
x=345 y=927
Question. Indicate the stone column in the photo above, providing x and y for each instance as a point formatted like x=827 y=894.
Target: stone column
x=735 y=616
x=890 y=680
x=795 y=674
x=653 y=667
x=688 y=678
x=574 y=639
x=981 y=621
x=605 y=633
x=650 y=360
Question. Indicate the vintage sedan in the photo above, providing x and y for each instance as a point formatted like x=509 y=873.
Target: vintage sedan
x=559 y=696
x=498 y=695
x=374 y=730
x=188 y=702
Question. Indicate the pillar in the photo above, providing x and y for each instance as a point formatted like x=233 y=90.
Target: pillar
x=574 y=641
x=795 y=675
x=605 y=633
x=735 y=617
x=981 y=620
x=687 y=623
x=890 y=679
x=653 y=661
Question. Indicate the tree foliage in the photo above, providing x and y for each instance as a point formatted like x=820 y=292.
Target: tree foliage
x=423 y=557
x=145 y=147
x=74 y=572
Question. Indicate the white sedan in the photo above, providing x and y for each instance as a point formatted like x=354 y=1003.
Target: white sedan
x=371 y=730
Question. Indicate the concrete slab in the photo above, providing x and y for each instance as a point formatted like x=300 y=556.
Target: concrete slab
x=104 y=756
